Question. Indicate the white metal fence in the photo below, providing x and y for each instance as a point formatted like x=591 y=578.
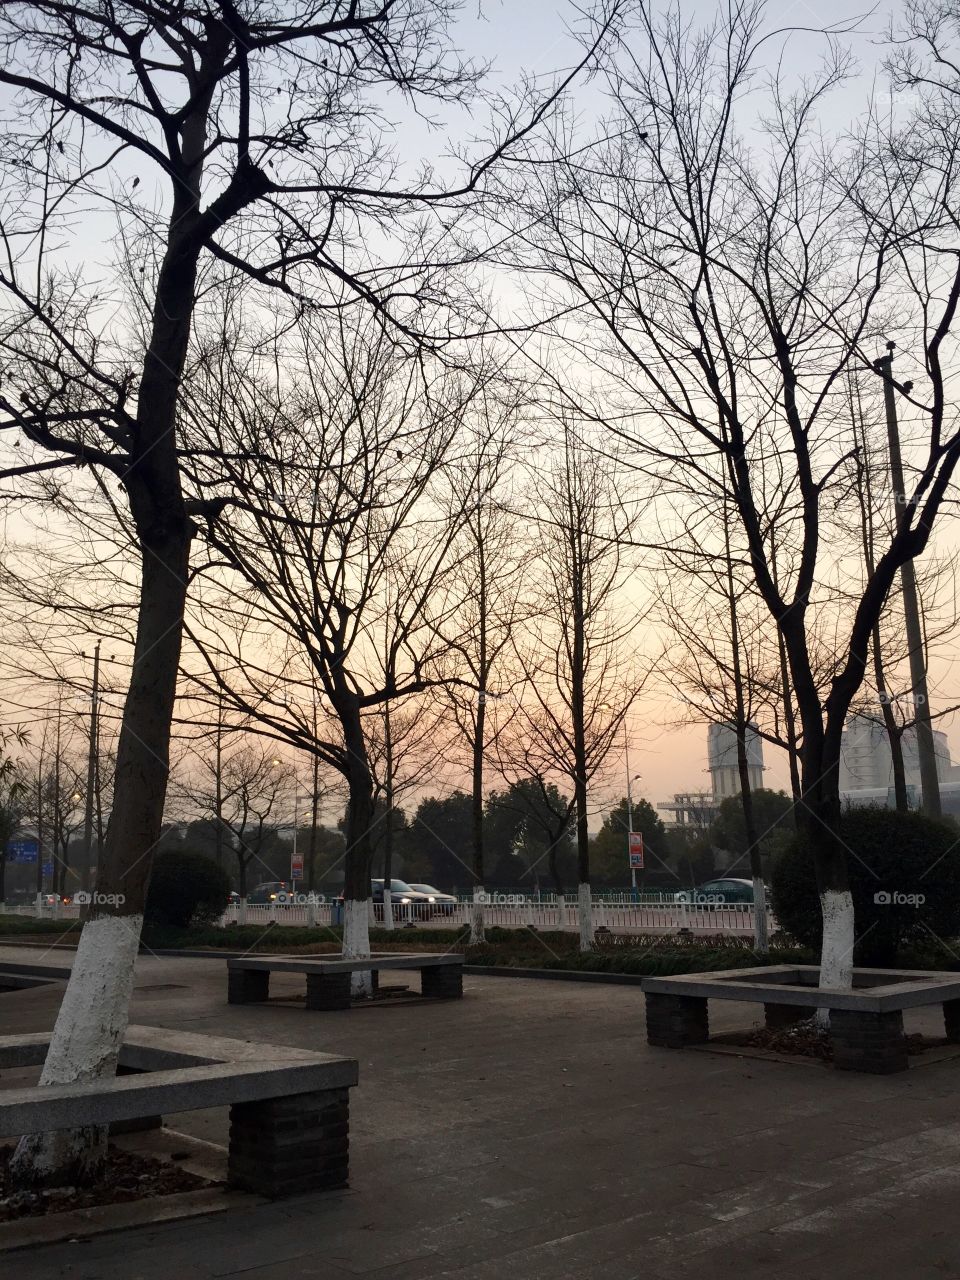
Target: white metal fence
x=626 y=917
x=618 y=917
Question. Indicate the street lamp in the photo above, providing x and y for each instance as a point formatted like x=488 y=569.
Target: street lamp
x=631 y=778
x=294 y=862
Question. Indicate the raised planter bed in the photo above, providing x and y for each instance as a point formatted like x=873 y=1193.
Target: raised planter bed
x=328 y=979
x=15 y=976
x=289 y=1108
x=866 y=1023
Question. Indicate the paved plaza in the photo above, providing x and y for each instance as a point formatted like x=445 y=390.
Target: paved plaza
x=528 y=1132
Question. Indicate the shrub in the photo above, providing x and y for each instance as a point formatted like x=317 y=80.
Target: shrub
x=186 y=888
x=904 y=878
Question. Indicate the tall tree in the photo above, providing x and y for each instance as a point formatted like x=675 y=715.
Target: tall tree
x=329 y=582
x=581 y=673
x=493 y=561
x=245 y=137
x=726 y=289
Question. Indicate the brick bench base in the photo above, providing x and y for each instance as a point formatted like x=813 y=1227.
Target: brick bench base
x=288 y=1145
x=676 y=1021
x=871 y=1042
x=328 y=990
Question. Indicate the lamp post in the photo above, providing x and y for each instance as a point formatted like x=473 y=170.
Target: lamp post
x=631 y=778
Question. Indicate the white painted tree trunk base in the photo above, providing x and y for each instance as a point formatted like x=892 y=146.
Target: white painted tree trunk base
x=477 y=923
x=388 y=921
x=585 y=917
x=356 y=942
x=761 y=941
x=836 y=955
x=84 y=1047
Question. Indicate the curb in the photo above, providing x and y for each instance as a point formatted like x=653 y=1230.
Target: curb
x=554 y=975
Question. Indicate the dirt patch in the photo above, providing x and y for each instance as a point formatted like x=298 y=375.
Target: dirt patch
x=126 y=1177
x=807 y=1040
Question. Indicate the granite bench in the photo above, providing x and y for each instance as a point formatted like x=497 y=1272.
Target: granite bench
x=328 y=979
x=866 y=1021
x=289 y=1107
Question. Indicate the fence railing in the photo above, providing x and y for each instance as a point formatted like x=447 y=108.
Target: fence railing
x=618 y=917
x=627 y=917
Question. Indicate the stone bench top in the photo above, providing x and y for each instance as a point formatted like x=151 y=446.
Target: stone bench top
x=878 y=990
x=337 y=964
x=182 y=1072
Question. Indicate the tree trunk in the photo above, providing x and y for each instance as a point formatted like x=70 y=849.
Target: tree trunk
x=476 y=798
x=819 y=812
x=359 y=855
x=314 y=819
x=760 y=941
x=388 y=922
x=578 y=663
x=821 y=822
x=93 y=1015
x=790 y=726
x=890 y=725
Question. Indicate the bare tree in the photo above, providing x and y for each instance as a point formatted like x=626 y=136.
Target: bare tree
x=406 y=745
x=247 y=138
x=493 y=562
x=248 y=792
x=342 y=542
x=581 y=676
x=725 y=295
x=721 y=665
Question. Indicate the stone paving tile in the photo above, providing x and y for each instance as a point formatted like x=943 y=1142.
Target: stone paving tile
x=529 y=1133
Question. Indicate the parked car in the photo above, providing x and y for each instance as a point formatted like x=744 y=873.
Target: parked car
x=277 y=893
x=407 y=902
x=445 y=904
x=727 y=892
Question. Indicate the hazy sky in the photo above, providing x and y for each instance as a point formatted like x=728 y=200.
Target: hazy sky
x=532 y=38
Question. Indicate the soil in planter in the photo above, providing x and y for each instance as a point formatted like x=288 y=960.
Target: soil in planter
x=808 y=1040
x=125 y=1177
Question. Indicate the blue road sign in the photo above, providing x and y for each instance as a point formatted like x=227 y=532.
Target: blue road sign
x=48 y=868
x=22 y=851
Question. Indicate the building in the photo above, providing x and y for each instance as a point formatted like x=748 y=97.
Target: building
x=722 y=759
x=867 y=765
x=695 y=810
x=690 y=810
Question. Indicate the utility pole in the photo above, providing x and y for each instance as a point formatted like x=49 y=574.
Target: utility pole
x=626 y=756
x=218 y=782
x=926 y=748
x=91 y=770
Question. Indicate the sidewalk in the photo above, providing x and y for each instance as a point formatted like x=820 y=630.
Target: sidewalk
x=528 y=1132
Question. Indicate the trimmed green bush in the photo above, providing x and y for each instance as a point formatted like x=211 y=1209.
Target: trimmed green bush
x=186 y=888
x=904 y=873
